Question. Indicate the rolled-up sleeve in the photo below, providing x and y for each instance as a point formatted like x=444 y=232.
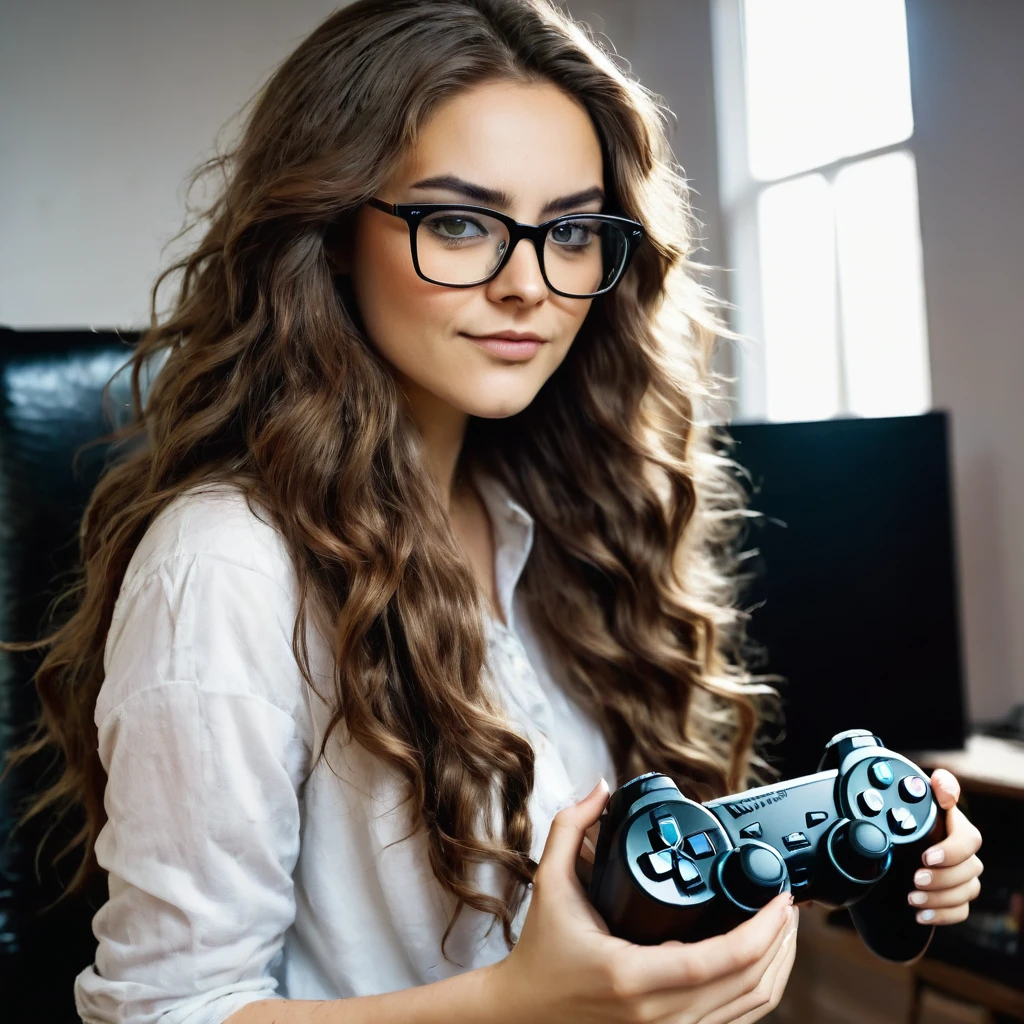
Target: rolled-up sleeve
x=205 y=747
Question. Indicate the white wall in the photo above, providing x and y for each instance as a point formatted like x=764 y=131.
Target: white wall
x=106 y=105
x=967 y=77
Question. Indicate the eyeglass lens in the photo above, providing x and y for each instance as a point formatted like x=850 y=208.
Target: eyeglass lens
x=460 y=247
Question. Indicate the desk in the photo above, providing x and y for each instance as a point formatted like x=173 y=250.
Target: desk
x=994 y=766
x=836 y=980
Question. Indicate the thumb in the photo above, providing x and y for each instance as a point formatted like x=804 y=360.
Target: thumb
x=566 y=833
x=946 y=788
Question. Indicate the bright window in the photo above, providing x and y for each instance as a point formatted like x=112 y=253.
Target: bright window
x=819 y=191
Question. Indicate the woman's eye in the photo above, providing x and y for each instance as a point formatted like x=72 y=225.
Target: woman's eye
x=456 y=227
x=571 y=234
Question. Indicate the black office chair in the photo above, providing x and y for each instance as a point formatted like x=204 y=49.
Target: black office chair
x=50 y=404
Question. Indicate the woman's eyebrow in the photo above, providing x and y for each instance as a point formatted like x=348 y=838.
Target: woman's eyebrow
x=499 y=198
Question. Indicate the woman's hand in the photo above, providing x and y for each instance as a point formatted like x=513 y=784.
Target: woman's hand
x=948 y=881
x=566 y=966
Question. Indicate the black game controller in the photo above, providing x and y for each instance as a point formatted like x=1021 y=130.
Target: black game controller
x=851 y=835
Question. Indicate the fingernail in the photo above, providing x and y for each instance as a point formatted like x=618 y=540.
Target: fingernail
x=923 y=878
x=924 y=916
x=934 y=856
x=917 y=898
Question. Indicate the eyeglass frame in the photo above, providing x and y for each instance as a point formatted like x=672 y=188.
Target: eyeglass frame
x=413 y=213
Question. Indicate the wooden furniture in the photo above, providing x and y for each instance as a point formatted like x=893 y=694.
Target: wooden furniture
x=837 y=981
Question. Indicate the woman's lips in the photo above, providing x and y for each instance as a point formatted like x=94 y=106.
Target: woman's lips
x=506 y=348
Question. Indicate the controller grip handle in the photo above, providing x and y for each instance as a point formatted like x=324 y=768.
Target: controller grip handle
x=886 y=922
x=884 y=919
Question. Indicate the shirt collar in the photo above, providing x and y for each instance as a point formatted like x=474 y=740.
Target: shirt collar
x=513 y=538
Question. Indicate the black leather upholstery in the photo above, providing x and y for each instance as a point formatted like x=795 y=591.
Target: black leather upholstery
x=50 y=404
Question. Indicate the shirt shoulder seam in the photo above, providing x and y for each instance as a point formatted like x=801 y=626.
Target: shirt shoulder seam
x=153 y=569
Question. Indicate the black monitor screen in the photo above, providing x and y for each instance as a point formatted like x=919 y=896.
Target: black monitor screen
x=855 y=591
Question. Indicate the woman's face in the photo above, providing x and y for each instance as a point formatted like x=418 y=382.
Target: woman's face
x=535 y=144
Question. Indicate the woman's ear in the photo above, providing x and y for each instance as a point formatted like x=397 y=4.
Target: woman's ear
x=338 y=247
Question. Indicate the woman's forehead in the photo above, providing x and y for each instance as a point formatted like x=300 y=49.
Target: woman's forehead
x=531 y=142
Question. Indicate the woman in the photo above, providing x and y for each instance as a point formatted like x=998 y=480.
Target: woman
x=372 y=603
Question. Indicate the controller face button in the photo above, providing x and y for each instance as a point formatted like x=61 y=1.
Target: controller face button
x=699 y=845
x=901 y=821
x=913 y=788
x=871 y=801
x=687 y=874
x=796 y=841
x=668 y=828
x=815 y=818
x=752 y=831
x=881 y=774
x=657 y=865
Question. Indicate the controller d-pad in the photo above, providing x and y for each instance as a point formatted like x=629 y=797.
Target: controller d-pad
x=901 y=821
x=667 y=828
x=699 y=845
x=657 y=865
x=687 y=874
x=871 y=801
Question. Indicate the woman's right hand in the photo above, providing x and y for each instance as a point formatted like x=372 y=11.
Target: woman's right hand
x=566 y=965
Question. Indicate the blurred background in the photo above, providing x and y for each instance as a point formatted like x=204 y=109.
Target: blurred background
x=855 y=167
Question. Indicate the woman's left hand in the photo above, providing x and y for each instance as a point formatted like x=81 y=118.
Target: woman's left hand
x=948 y=879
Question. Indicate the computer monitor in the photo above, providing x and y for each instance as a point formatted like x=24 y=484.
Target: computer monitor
x=854 y=597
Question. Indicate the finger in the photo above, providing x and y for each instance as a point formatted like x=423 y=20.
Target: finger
x=962 y=841
x=565 y=836
x=673 y=965
x=945 y=878
x=735 y=990
x=589 y=848
x=963 y=893
x=946 y=788
x=753 y=999
x=947 y=915
x=781 y=980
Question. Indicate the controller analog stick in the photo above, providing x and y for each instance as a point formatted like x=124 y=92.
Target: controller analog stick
x=861 y=849
x=753 y=875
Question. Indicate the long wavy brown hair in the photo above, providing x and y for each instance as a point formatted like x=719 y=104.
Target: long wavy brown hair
x=261 y=374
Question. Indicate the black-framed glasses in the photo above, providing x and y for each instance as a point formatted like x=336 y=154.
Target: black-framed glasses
x=580 y=254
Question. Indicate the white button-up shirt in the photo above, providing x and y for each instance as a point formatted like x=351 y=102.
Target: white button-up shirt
x=230 y=881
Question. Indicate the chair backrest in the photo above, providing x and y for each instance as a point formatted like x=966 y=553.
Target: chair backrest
x=50 y=405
